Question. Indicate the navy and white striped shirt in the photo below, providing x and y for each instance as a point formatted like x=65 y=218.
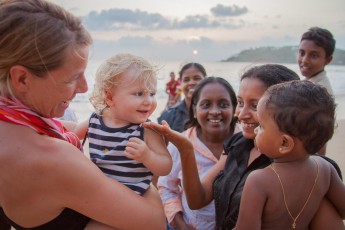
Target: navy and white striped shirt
x=107 y=147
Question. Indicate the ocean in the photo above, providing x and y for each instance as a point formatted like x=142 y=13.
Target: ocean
x=231 y=71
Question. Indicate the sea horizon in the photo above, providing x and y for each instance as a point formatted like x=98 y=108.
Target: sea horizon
x=231 y=71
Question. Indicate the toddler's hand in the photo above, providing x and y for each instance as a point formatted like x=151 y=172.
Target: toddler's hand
x=137 y=150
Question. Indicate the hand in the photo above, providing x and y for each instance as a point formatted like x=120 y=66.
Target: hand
x=137 y=149
x=178 y=139
x=180 y=223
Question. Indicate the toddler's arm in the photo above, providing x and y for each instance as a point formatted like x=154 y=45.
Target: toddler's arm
x=160 y=162
x=79 y=129
x=152 y=152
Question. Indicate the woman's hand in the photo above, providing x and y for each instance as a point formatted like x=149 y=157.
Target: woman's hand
x=180 y=223
x=178 y=139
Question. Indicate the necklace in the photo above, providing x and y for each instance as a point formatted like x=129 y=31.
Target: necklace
x=294 y=219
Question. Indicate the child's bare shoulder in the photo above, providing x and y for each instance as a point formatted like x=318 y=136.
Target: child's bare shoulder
x=261 y=177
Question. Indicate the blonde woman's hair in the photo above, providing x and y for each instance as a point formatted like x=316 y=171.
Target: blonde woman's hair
x=38 y=35
x=118 y=70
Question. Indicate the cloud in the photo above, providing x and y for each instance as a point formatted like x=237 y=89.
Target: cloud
x=124 y=19
x=197 y=21
x=117 y=19
x=228 y=11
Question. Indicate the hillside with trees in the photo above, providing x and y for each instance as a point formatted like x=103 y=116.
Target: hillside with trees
x=286 y=54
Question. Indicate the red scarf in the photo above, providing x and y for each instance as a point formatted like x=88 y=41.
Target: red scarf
x=13 y=111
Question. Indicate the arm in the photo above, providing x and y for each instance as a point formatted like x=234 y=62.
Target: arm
x=170 y=191
x=326 y=217
x=79 y=129
x=81 y=186
x=152 y=152
x=94 y=225
x=180 y=223
x=252 y=203
x=336 y=192
x=198 y=193
x=160 y=163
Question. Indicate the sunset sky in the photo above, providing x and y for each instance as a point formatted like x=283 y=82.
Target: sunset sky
x=203 y=30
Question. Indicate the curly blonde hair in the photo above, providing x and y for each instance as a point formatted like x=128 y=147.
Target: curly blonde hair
x=119 y=70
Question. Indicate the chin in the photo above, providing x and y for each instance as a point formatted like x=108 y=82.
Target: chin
x=249 y=135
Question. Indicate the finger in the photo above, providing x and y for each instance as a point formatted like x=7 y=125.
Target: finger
x=128 y=154
x=134 y=140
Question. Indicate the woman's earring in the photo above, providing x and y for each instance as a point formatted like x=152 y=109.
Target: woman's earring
x=281 y=150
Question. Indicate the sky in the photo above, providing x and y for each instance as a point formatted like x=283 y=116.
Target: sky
x=202 y=30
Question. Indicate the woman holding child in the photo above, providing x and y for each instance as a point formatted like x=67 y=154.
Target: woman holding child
x=46 y=182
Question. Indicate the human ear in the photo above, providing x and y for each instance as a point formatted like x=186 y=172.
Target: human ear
x=19 y=78
x=108 y=97
x=287 y=144
x=328 y=59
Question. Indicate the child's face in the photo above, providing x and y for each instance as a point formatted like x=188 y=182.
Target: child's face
x=132 y=102
x=249 y=94
x=311 y=58
x=268 y=137
x=214 y=110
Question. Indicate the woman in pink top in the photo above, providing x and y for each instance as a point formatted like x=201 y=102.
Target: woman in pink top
x=211 y=122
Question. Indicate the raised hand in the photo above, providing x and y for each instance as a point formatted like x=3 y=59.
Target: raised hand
x=178 y=139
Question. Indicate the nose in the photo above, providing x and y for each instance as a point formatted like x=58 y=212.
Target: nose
x=82 y=85
x=242 y=113
x=194 y=81
x=148 y=99
x=305 y=59
x=215 y=111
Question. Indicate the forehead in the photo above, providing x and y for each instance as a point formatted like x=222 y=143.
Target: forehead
x=138 y=84
x=192 y=71
x=74 y=64
x=251 y=88
x=214 y=90
x=309 y=45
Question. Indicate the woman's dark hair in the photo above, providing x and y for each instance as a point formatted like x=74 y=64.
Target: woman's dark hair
x=271 y=74
x=190 y=65
x=192 y=121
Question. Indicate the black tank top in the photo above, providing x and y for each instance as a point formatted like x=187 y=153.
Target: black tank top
x=67 y=220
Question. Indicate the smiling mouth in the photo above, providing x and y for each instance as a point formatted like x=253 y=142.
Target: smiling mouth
x=214 y=120
x=247 y=125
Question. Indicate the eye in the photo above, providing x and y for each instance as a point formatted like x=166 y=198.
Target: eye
x=185 y=80
x=139 y=94
x=224 y=105
x=240 y=103
x=204 y=105
x=301 y=53
x=152 y=94
x=315 y=56
x=254 y=106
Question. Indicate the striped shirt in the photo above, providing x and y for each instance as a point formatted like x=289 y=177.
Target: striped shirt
x=107 y=146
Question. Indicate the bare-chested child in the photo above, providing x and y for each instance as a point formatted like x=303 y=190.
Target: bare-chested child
x=296 y=119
